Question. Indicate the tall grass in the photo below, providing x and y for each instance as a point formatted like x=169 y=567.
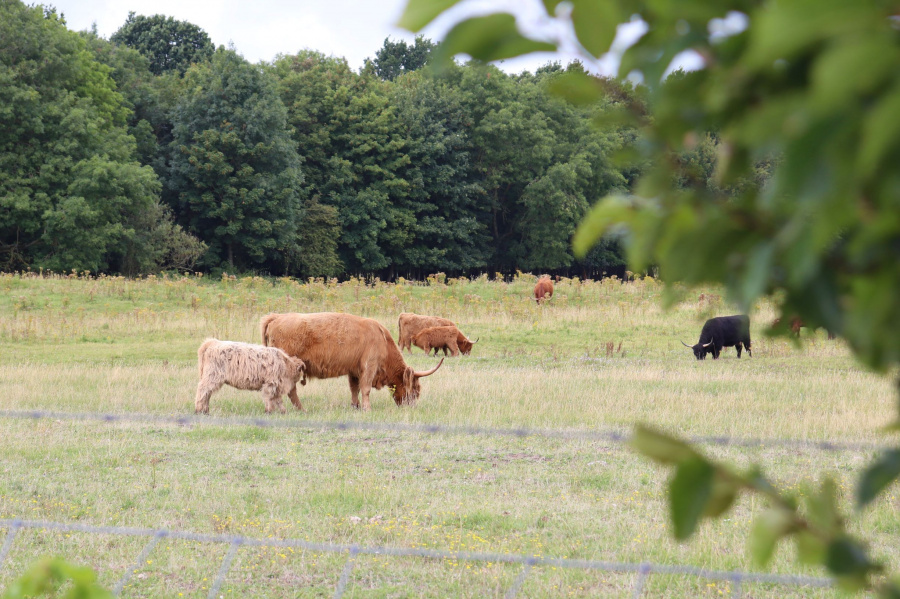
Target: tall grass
x=600 y=354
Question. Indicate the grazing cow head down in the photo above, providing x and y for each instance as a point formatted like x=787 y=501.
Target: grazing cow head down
x=408 y=392
x=700 y=349
x=465 y=346
x=298 y=369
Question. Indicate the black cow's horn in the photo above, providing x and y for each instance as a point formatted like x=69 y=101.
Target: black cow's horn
x=708 y=344
x=686 y=345
x=427 y=372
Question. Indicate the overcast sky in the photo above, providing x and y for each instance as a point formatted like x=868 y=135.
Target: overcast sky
x=261 y=29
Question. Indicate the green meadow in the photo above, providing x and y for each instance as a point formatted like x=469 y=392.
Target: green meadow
x=601 y=355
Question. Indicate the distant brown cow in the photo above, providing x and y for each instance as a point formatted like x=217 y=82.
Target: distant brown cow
x=333 y=344
x=246 y=366
x=797 y=323
x=411 y=324
x=543 y=290
x=448 y=337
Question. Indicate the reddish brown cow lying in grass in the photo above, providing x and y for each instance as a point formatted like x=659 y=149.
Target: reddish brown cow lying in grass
x=334 y=344
x=543 y=290
x=411 y=325
x=446 y=337
x=246 y=366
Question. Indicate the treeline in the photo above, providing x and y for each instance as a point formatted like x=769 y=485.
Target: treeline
x=154 y=150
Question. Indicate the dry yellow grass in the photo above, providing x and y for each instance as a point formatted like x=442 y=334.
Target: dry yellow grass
x=122 y=346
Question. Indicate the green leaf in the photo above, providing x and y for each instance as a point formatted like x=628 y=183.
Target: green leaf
x=756 y=276
x=877 y=476
x=768 y=528
x=607 y=212
x=419 y=13
x=724 y=492
x=851 y=70
x=595 y=23
x=848 y=561
x=880 y=131
x=823 y=509
x=689 y=493
x=660 y=447
x=494 y=37
x=890 y=590
x=811 y=550
x=577 y=88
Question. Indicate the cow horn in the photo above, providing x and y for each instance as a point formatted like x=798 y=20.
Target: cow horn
x=427 y=372
x=708 y=344
x=476 y=341
x=686 y=345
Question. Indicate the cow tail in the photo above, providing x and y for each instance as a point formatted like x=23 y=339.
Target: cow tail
x=201 y=351
x=264 y=327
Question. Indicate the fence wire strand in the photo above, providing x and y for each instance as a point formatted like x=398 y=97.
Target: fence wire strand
x=345 y=573
x=280 y=422
x=138 y=564
x=236 y=542
x=641 y=570
x=526 y=561
x=11 y=531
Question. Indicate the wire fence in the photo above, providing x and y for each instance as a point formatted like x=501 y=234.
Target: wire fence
x=281 y=422
x=235 y=542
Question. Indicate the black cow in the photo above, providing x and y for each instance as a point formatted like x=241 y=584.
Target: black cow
x=723 y=331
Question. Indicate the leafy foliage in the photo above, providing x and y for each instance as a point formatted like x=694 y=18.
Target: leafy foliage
x=168 y=44
x=235 y=176
x=395 y=58
x=771 y=169
x=49 y=575
x=73 y=195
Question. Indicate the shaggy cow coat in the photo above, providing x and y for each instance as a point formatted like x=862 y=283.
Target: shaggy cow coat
x=246 y=366
x=411 y=325
x=334 y=344
x=543 y=290
x=446 y=337
x=723 y=331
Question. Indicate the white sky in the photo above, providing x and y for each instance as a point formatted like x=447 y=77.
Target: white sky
x=260 y=29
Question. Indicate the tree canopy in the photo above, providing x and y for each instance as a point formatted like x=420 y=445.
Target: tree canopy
x=235 y=178
x=169 y=44
x=72 y=192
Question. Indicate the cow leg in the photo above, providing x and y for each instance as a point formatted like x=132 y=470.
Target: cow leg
x=294 y=398
x=716 y=352
x=365 y=387
x=272 y=399
x=205 y=389
x=354 y=391
x=454 y=348
x=737 y=346
x=747 y=347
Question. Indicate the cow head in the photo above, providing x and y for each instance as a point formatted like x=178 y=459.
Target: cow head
x=408 y=391
x=297 y=369
x=465 y=346
x=700 y=349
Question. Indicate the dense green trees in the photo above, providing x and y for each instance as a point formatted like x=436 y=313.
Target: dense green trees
x=168 y=44
x=301 y=166
x=234 y=177
x=72 y=193
x=395 y=58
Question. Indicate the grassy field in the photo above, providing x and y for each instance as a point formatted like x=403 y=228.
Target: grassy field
x=600 y=355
